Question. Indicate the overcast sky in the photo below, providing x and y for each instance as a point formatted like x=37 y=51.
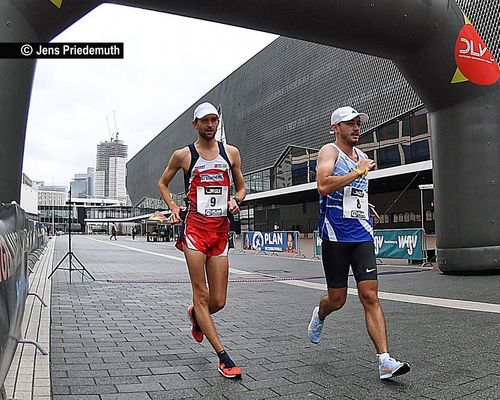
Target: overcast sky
x=170 y=62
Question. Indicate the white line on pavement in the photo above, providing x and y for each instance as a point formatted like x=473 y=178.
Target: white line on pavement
x=140 y=250
x=405 y=298
x=233 y=270
x=241 y=272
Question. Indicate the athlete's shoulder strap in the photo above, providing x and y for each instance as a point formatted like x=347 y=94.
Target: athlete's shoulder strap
x=338 y=153
x=223 y=153
x=194 y=158
x=361 y=153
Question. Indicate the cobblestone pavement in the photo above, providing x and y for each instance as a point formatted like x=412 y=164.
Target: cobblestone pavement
x=127 y=334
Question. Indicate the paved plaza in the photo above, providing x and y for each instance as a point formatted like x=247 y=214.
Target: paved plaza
x=126 y=335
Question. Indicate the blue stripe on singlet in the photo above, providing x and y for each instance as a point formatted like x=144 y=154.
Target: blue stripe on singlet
x=332 y=225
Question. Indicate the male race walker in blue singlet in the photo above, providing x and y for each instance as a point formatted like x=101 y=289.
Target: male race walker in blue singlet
x=346 y=230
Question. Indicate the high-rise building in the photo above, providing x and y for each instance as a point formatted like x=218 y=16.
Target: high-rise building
x=83 y=184
x=117 y=174
x=99 y=184
x=111 y=170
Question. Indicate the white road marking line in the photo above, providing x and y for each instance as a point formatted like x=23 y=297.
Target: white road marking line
x=241 y=272
x=405 y=298
x=233 y=270
x=141 y=251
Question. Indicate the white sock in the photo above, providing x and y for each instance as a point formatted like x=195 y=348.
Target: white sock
x=383 y=356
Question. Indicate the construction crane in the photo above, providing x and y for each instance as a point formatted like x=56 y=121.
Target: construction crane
x=113 y=136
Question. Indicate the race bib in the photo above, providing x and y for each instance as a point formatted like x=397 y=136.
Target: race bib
x=211 y=201
x=355 y=204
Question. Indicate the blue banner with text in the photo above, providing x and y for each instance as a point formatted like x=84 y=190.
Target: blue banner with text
x=281 y=241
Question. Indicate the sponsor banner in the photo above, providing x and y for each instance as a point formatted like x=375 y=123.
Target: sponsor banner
x=18 y=237
x=391 y=243
x=281 y=241
x=399 y=243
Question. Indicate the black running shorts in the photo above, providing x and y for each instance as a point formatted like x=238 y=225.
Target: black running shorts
x=338 y=256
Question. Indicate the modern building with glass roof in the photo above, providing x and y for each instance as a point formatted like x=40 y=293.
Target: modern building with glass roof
x=276 y=109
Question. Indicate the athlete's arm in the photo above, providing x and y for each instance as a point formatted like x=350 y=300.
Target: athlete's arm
x=239 y=182
x=326 y=182
x=174 y=164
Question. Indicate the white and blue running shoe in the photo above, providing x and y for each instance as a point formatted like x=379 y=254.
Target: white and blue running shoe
x=315 y=326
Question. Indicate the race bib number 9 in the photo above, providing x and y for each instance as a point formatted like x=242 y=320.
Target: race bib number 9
x=355 y=204
x=211 y=201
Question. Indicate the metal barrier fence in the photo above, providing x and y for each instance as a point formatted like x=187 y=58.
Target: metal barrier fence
x=19 y=237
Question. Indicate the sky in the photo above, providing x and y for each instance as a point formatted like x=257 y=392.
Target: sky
x=167 y=67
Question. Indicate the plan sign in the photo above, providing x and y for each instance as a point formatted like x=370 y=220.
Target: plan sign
x=275 y=241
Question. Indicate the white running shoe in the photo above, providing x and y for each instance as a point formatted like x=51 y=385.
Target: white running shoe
x=389 y=368
x=315 y=326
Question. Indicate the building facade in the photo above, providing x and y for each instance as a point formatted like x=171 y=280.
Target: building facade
x=52 y=208
x=117 y=172
x=29 y=197
x=110 y=170
x=83 y=184
x=277 y=110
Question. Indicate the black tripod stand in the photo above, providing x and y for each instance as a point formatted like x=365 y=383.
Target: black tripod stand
x=70 y=253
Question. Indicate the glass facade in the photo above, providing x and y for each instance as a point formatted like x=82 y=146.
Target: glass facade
x=387 y=132
x=388 y=156
x=148 y=203
x=399 y=142
x=116 y=212
x=55 y=218
x=258 y=181
x=296 y=166
x=402 y=141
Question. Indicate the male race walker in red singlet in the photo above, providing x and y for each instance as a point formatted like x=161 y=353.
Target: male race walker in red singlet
x=208 y=166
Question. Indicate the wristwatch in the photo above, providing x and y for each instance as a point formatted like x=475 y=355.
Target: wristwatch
x=238 y=202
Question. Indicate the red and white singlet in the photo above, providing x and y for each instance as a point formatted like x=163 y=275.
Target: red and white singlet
x=208 y=186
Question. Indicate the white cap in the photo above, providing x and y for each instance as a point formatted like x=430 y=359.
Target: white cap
x=343 y=114
x=205 y=109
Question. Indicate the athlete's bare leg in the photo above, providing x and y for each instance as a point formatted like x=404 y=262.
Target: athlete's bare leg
x=201 y=297
x=374 y=316
x=333 y=301
x=217 y=275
